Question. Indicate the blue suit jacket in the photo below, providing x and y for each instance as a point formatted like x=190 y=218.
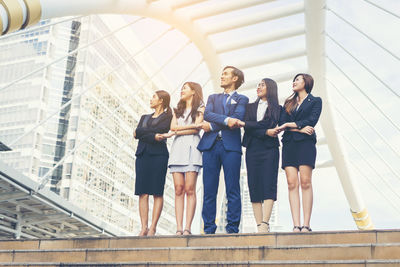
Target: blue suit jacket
x=215 y=115
x=307 y=115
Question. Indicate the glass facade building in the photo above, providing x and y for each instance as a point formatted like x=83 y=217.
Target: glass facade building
x=85 y=149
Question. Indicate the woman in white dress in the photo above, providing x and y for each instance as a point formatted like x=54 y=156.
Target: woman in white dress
x=185 y=159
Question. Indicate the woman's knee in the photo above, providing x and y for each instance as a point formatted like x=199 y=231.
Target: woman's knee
x=179 y=190
x=190 y=190
x=306 y=184
x=293 y=185
x=144 y=196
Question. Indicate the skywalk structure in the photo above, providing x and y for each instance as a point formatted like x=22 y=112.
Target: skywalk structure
x=223 y=36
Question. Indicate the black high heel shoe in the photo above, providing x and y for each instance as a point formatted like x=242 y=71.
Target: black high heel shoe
x=297 y=227
x=307 y=228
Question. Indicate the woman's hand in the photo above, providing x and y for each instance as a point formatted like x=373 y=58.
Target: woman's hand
x=159 y=137
x=206 y=126
x=281 y=128
x=198 y=126
x=273 y=132
x=307 y=130
x=240 y=123
x=169 y=134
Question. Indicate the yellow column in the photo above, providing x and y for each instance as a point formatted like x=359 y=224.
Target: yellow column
x=15 y=14
x=34 y=12
x=1 y=25
x=363 y=220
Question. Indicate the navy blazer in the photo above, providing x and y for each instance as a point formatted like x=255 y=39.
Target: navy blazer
x=255 y=131
x=307 y=115
x=215 y=115
x=146 y=132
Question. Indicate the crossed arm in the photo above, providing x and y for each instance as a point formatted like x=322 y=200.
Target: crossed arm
x=193 y=128
x=303 y=126
x=151 y=135
x=220 y=121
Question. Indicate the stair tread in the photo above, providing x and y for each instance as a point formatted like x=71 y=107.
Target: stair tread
x=223 y=262
x=204 y=248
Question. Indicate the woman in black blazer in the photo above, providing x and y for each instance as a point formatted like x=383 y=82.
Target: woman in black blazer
x=152 y=159
x=299 y=115
x=262 y=151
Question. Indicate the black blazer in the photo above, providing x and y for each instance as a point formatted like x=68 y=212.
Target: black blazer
x=307 y=115
x=146 y=132
x=254 y=132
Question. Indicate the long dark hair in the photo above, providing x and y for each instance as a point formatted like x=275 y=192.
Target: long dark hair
x=273 y=110
x=164 y=95
x=291 y=101
x=197 y=101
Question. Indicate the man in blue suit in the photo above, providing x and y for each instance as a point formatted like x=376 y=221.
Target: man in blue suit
x=221 y=145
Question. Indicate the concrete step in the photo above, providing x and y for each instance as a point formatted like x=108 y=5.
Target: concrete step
x=342 y=263
x=333 y=252
x=270 y=239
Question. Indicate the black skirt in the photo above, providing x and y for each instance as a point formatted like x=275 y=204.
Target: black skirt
x=150 y=174
x=297 y=153
x=262 y=173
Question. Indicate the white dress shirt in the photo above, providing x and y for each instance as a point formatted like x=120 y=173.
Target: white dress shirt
x=261 y=109
x=298 y=106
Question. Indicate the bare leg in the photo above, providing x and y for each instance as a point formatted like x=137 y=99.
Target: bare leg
x=144 y=213
x=294 y=197
x=190 y=190
x=307 y=193
x=179 y=184
x=157 y=208
x=257 y=210
x=258 y=215
x=267 y=209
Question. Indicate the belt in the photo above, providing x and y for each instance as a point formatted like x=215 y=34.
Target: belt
x=219 y=138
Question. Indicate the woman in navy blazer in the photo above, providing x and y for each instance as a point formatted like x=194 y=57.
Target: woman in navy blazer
x=262 y=151
x=298 y=118
x=152 y=159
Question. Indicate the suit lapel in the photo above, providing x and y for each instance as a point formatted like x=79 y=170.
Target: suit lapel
x=156 y=120
x=230 y=105
x=305 y=104
x=254 y=107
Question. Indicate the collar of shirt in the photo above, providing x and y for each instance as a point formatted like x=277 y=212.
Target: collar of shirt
x=229 y=94
x=298 y=106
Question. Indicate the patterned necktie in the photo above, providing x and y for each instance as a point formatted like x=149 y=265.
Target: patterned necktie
x=224 y=101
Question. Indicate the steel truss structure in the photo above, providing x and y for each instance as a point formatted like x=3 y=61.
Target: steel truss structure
x=27 y=213
x=175 y=14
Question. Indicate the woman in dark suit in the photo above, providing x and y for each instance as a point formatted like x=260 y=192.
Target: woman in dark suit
x=262 y=151
x=299 y=115
x=152 y=159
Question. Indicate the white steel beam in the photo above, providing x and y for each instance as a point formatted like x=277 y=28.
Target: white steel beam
x=272 y=14
x=315 y=39
x=184 y=3
x=224 y=7
x=268 y=59
x=160 y=10
x=4 y=197
x=13 y=231
x=261 y=39
x=26 y=206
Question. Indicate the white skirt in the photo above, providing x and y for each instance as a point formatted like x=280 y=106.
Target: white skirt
x=184 y=168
